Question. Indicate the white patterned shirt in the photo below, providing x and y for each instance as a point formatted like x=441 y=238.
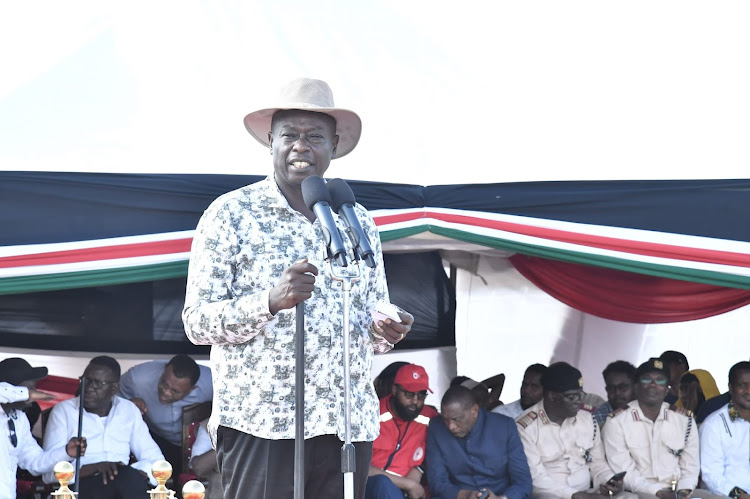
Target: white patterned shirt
x=242 y=245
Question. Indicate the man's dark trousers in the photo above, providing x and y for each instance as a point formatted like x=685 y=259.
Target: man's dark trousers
x=264 y=469
x=128 y=484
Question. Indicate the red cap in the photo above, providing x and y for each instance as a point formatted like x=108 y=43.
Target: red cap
x=412 y=378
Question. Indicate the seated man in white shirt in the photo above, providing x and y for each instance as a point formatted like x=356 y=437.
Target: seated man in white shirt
x=725 y=440
x=114 y=429
x=18 y=448
x=531 y=392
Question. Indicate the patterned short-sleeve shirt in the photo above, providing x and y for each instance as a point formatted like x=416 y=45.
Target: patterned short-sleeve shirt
x=242 y=245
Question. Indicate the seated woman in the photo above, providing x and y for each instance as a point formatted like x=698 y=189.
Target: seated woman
x=696 y=387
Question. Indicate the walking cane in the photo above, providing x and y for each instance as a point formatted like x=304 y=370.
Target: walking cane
x=80 y=432
x=299 y=401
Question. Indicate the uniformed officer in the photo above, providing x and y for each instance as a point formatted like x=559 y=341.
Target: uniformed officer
x=656 y=446
x=562 y=442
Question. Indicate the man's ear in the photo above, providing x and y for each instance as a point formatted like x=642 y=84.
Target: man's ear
x=394 y=390
x=335 y=145
x=270 y=142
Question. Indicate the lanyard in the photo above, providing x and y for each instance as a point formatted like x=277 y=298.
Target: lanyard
x=398 y=441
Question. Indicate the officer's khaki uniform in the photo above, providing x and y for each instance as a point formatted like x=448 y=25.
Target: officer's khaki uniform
x=653 y=453
x=563 y=459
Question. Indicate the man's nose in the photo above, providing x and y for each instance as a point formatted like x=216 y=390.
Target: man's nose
x=301 y=144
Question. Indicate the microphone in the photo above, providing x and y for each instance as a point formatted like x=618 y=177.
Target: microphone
x=342 y=200
x=316 y=197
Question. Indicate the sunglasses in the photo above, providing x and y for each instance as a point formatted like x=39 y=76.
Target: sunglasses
x=12 y=431
x=657 y=382
x=410 y=395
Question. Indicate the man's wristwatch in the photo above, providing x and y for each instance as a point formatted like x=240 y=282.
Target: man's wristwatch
x=736 y=492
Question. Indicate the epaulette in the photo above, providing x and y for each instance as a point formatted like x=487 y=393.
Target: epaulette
x=617 y=411
x=527 y=419
x=587 y=408
x=680 y=410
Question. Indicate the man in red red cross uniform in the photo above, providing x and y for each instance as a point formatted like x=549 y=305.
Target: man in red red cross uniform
x=399 y=450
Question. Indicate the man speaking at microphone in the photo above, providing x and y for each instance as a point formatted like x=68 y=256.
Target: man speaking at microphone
x=258 y=252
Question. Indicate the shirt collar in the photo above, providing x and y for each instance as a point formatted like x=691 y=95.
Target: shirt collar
x=276 y=198
x=478 y=424
x=733 y=412
x=637 y=413
x=546 y=420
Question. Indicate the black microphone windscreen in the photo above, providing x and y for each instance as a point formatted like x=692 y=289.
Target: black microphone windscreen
x=341 y=193
x=314 y=191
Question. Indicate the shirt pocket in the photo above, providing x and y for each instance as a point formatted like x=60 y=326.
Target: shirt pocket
x=674 y=442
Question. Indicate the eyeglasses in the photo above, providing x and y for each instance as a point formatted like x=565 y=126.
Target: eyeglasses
x=573 y=397
x=657 y=382
x=12 y=431
x=98 y=384
x=410 y=395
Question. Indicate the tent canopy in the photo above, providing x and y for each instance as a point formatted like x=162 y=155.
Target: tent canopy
x=98 y=261
x=72 y=230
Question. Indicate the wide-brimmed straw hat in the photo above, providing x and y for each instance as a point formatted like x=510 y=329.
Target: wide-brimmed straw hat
x=308 y=95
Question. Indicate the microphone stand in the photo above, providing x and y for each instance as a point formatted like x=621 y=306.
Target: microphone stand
x=348 y=461
x=299 y=401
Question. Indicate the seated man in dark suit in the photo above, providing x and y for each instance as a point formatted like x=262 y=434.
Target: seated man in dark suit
x=470 y=451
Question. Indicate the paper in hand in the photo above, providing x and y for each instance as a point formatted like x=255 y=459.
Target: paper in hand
x=385 y=310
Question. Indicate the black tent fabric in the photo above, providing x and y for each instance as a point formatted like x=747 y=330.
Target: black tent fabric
x=708 y=208
x=41 y=207
x=48 y=207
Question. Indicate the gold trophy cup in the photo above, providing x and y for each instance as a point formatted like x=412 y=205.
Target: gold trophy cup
x=162 y=471
x=193 y=490
x=64 y=473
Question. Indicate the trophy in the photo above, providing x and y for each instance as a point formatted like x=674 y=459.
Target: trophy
x=193 y=490
x=162 y=471
x=64 y=472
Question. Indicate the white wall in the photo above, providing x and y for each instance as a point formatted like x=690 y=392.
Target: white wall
x=509 y=324
x=440 y=364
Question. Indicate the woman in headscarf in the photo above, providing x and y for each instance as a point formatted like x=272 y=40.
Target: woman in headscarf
x=696 y=386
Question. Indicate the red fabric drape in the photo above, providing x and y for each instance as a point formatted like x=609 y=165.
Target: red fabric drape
x=625 y=296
